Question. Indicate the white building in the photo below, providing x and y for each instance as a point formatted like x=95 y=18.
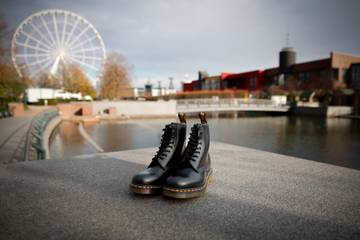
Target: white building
x=153 y=92
x=35 y=94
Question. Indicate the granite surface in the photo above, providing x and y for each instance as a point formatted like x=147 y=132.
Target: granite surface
x=254 y=195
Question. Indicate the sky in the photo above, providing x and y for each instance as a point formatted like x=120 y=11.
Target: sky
x=177 y=38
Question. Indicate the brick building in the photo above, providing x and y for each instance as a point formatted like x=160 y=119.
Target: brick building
x=354 y=83
x=354 y=76
x=339 y=71
x=251 y=81
x=331 y=73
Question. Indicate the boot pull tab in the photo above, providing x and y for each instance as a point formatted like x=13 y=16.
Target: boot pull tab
x=182 y=117
x=202 y=117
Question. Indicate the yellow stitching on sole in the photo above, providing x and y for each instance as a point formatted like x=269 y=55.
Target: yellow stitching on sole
x=144 y=186
x=185 y=190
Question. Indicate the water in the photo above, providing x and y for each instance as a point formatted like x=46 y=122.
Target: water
x=335 y=141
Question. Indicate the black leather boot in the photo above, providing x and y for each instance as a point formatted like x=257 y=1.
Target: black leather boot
x=191 y=178
x=168 y=157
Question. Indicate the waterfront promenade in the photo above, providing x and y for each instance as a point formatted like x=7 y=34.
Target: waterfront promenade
x=254 y=195
x=13 y=132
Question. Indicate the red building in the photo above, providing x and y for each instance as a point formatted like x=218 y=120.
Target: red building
x=189 y=86
x=251 y=81
x=330 y=74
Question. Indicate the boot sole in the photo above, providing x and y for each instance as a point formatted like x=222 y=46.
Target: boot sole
x=181 y=193
x=145 y=189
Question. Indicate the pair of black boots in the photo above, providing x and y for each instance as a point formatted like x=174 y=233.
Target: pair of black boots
x=177 y=171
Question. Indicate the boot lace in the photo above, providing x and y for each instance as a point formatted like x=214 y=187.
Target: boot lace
x=194 y=146
x=166 y=143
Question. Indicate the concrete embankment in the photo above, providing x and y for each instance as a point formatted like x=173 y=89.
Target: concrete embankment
x=45 y=136
x=136 y=109
x=14 y=132
x=322 y=111
x=116 y=110
x=37 y=138
x=122 y=110
x=255 y=195
x=50 y=126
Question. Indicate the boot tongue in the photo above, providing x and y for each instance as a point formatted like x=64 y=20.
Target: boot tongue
x=198 y=127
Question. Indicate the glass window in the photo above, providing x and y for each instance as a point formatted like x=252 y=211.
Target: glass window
x=252 y=82
x=343 y=74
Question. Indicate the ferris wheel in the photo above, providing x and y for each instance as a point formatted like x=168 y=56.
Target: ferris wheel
x=51 y=39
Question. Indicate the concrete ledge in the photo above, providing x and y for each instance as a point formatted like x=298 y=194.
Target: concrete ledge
x=136 y=108
x=322 y=111
x=47 y=134
x=336 y=111
x=255 y=195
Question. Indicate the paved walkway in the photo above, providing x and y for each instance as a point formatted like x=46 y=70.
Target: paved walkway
x=12 y=137
x=255 y=195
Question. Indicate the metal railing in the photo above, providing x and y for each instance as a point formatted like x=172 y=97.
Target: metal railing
x=34 y=149
x=228 y=102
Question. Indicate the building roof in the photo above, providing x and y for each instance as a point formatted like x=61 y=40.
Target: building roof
x=342 y=60
x=226 y=75
x=336 y=60
x=272 y=71
x=211 y=78
x=312 y=65
x=302 y=67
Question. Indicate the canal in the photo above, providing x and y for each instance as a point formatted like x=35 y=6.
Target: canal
x=335 y=141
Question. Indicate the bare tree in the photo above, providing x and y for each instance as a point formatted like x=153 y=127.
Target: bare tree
x=5 y=39
x=11 y=85
x=48 y=81
x=115 y=82
x=75 y=80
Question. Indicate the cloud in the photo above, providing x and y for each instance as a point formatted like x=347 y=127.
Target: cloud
x=163 y=38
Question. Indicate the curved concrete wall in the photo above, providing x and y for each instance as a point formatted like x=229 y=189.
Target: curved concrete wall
x=51 y=125
x=137 y=108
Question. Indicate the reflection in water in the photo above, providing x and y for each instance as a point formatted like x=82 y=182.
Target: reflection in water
x=335 y=141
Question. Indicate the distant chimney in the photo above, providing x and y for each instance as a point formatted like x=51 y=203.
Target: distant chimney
x=202 y=75
x=171 y=83
x=287 y=58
